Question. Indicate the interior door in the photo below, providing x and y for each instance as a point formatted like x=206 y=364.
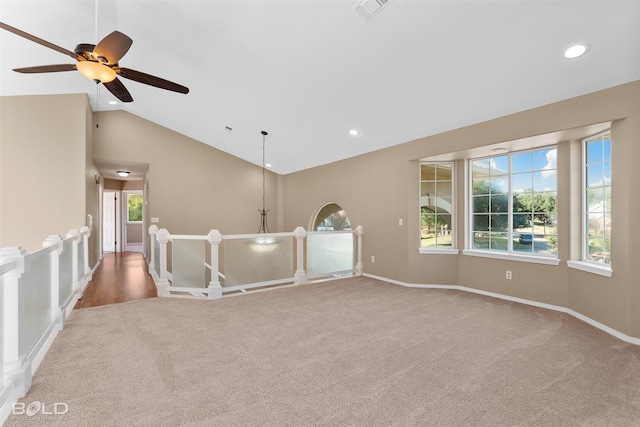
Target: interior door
x=109 y=221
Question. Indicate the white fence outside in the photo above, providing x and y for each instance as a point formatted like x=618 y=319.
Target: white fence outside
x=37 y=293
x=208 y=266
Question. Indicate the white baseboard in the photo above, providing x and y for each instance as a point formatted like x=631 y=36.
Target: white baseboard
x=595 y=323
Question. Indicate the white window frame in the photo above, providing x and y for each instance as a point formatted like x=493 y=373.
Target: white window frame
x=585 y=264
x=438 y=249
x=509 y=254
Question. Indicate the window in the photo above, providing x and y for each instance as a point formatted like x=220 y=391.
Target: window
x=331 y=217
x=134 y=207
x=513 y=203
x=436 y=205
x=597 y=199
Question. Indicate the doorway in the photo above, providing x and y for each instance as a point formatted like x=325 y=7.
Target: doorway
x=110 y=221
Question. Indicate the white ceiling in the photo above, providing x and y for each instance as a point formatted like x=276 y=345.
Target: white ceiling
x=308 y=71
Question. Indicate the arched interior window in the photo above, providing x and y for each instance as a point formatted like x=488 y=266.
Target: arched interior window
x=331 y=217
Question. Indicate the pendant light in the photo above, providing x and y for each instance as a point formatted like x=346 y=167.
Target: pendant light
x=264 y=226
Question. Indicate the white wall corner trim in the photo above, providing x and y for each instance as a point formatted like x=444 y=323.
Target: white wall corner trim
x=605 y=328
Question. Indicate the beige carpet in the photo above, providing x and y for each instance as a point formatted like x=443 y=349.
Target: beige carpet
x=353 y=352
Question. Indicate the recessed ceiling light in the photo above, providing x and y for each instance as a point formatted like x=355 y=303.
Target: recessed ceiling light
x=354 y=132
x=123 y=173
x=575 y=51
x=113 y=102
x=498 y=150
x=268 y=165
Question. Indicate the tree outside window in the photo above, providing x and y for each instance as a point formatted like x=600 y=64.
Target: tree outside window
x=134 y=207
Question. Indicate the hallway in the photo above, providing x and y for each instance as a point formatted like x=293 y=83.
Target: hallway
x=121 y=277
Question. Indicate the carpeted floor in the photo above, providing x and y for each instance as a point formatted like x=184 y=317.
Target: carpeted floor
x=355 y=352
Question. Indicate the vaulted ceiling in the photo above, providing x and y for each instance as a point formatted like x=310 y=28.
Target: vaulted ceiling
x=309 y=71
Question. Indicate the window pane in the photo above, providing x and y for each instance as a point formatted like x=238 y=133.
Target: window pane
x=500 y=185
x=606 y=174
x=544 y=180
x=607 y=147
x=480 y=204
x=596 y=224
x=428 y=172
x=443 y=173
x=595 y=200
x=481 y=241
x=498 y=242
x=594 y=152
x=599 y=250
x=499 y=165
x=500 y=203
x=134 y=203
x=481 y=186
x=428 y=189
x=522 y=162
x=521 y=222
x=480 y=167
x=595 y=175
x=522 y=182
x=481 y=223
x=443 y=204
x=444 y=189
x=500 y=223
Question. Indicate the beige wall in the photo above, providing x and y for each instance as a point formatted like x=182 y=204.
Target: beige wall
x=44 y=168
x=379 y=188
x=192 y=187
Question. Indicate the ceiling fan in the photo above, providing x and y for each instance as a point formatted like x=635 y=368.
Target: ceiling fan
x=98 y=63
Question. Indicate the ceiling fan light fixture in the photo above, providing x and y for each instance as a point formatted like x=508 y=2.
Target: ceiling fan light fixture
x=96 y=71
x=123 y=174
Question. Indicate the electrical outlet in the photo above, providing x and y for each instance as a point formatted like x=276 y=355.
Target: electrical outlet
x=400 y=222
x=508 y=275
x=373 y=259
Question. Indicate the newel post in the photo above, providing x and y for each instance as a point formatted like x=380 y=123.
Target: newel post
x=12 y=365
x=215 y=290
x=163 y=284
x=85 y=233
x=300 y=276
x=153 y=231
x=359 y=269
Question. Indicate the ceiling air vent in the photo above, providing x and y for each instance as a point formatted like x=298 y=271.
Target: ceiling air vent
x=370 y=8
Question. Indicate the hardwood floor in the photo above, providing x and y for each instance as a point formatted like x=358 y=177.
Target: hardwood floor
x=120 y=277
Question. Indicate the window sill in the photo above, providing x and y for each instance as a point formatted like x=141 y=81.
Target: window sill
x=513 y=257
x=438 y=251
x=591 y=267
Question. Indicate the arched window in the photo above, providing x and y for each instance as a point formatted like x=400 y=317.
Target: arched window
x=330 y=217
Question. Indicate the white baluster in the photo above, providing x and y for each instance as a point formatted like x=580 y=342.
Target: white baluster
x=163 y=284
x=215 y=290
x=300 y=276
x=359 y=268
